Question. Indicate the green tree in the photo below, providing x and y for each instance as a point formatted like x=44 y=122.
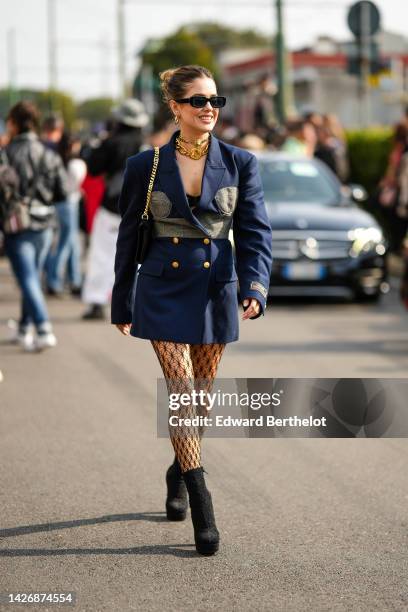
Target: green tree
x=219 y=37
x=182 y=47
x=95 y=109
x=54 y=100
x=45 y=100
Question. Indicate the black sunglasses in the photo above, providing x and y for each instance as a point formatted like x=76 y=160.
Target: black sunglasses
x=201 y=101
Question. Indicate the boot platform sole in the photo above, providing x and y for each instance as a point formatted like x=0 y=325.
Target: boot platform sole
x=175 y=515
x=207 y=551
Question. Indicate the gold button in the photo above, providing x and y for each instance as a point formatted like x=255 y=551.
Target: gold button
x=206 y=264
x=176 y=240
x=206 y=241
x=175 y=264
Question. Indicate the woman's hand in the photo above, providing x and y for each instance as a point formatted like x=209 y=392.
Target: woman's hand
x=124 y=328
x=252 y=310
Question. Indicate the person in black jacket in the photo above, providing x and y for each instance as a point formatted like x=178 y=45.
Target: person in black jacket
x=109 y=159
x=42 y=177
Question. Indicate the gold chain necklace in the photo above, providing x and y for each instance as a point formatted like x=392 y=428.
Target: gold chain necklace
x=196 y=152
x=194 y=142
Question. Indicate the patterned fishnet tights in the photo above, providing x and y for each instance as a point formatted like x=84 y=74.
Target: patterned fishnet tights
x=187 y=367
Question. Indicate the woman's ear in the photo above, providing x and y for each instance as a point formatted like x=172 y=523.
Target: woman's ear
x=173 y=107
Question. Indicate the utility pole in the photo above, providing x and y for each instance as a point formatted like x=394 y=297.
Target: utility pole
x=147 y=95
x=52 y=48
x=365 y=65
x=121 y=48
x=12 y=65
x=280 y=63
x=104 y=62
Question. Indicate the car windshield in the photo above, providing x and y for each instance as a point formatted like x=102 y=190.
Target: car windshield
x=297 y=181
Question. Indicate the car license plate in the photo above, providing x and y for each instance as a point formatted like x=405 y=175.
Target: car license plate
x=304 y=270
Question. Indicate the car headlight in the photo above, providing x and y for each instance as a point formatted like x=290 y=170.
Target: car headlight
x=366 y=239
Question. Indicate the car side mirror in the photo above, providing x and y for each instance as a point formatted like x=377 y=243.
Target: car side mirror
x=358 y=193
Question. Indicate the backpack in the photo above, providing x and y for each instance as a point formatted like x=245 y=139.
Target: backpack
x=14 y=208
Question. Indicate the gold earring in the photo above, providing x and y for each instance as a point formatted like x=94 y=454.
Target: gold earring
x=176 y=119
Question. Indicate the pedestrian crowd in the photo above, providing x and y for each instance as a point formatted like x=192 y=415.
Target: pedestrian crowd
x=70 y=187
x=72 y=184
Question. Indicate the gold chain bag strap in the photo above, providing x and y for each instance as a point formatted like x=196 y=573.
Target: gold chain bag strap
x=145 y=227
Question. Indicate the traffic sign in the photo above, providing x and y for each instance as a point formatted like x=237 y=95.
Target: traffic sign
x=356 y=16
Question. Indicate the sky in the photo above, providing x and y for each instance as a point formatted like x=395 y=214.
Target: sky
x=86 y=33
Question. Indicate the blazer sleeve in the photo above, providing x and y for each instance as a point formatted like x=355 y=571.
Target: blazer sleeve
x=131 y=203
x=252 y=234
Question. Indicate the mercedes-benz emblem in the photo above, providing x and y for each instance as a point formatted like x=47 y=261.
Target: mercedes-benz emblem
x=309 y=248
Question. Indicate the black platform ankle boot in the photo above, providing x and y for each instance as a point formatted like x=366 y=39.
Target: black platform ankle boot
x=176 y=501
x=206 y=534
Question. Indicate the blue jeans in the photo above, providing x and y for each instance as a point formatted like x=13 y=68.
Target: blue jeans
x=27 y=251
x=65 y=260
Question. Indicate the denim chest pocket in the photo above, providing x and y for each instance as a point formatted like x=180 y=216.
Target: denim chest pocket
x=226 y=199
x=160 y=205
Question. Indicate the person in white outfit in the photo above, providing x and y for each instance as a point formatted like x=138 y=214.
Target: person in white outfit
x=109 y=159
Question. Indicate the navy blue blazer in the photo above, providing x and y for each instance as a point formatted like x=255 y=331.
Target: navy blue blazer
x=186 y=289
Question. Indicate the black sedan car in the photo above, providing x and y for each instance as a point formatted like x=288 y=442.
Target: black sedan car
x=323 y=243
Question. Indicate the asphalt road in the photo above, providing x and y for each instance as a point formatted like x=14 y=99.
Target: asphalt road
x=305 y=524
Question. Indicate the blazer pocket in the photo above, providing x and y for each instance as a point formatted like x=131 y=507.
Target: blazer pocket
x=225 y=273
x=226 y=199
x=160 y=205
x=151 y=268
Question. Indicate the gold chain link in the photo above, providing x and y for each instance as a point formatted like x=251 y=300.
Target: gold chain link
x=153 y=174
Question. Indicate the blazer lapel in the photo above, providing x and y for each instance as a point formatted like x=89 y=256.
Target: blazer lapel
x=214 y=171
x=172 y=184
